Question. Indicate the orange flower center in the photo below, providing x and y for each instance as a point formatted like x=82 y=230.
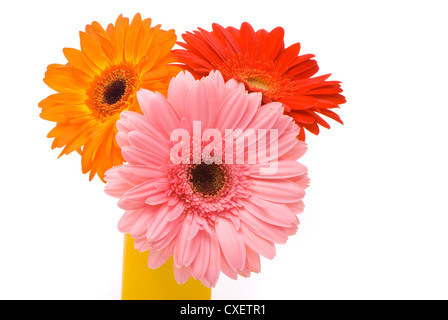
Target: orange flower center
x=111 y=92
x=114 y=92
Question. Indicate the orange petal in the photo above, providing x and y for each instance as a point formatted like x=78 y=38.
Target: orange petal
x=94 y=51
x=121 y=27
x=60 y=78
x=131 y=39
x=75 y=58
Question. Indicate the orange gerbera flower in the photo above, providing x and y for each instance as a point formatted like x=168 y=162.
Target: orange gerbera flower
x=101 y=80
x=260 y=60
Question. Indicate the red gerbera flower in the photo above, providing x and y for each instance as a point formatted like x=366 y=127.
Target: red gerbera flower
x=262 y=62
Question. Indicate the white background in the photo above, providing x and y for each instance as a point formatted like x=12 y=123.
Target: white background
x=376 y=217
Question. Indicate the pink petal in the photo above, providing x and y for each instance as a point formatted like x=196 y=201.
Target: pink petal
x=275 y=214
x=297 y=151
x=156 y=258
x=160 y=226
x=258 y=244
x=286 y=168
x=157 y=109
x=127 y=220
x=231 y=243
x=175 y=211
x=172 y=229
x=293 y=230
x=211 y=275
x=193 y=229
x=253 y=260
x=286 y=142
x=178 y=90
x=231 y=110
x=234 y=84
x=141 y=223
x=143 y=191
x=130 y=120
x=157 y=198
x=126 y=204
x=186 y=249
x=296 y=207
x=141 y=157
x=137 y=174
x=200 y=263
x=147 y=142
x=252 y=263
x=227 y=269
x=267 y=231
x=202 y=95
x=181 y=274
x=187 y=125
x=302 y=181
x=115 y=187
x=279 y=190
x=283 y=123
x=266 y=117
x=253 y=104
x=122 y=139
x=141 y=244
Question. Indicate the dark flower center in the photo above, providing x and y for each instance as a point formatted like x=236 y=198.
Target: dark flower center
x=207 y=179
x=115 y=91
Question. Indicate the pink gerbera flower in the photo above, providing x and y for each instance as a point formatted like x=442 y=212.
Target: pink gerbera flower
x=180 y=200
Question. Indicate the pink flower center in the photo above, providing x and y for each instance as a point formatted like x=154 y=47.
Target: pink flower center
x=207 y=179
x=208 y=190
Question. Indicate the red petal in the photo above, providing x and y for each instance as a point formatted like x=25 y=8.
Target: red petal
x=325 y=90
x=247 y=40
x=199 y=47
x=313 y=128
x=273 y=44
x=299 y=103
x=304 y=70
x=288 y=56
x=335 y=98
x=218 y=48
x=300 y=59
x=302 y=117
x=225 y=36
x=312 y=82
x=324 y=104
x=331 y=115
x=321 y=121
x=301 y=133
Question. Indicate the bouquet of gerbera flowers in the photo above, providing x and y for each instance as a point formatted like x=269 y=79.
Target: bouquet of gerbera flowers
x=199 y=144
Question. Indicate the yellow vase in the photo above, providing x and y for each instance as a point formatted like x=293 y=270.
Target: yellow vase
x=142 y=283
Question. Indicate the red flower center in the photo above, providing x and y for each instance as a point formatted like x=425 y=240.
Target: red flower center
x=258 y=75
x=258 y=84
